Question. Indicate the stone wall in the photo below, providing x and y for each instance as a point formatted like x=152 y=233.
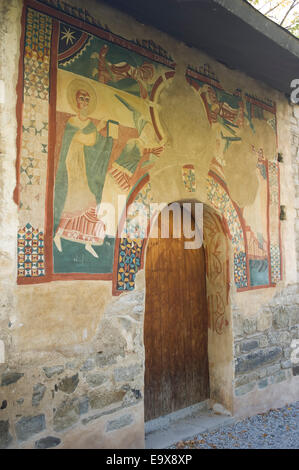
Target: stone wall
x=263 y=344
x=96 y=393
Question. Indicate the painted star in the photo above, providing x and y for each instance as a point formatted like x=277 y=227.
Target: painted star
x=68 y=36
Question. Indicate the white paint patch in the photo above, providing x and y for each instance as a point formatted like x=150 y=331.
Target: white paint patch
x=2 y=352
x=84 y=335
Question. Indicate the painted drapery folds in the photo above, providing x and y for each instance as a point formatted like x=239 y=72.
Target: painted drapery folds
x=89 y=133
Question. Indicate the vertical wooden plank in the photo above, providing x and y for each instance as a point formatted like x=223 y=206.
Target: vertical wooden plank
x=166 y=326
x=152 y=334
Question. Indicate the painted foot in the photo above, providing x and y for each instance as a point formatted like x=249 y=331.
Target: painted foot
x=57 y=241
x=91 y=250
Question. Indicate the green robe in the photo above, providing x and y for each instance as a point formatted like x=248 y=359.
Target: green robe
x=96 y=161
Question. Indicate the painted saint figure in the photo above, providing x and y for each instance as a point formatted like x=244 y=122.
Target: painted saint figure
x=80 y=177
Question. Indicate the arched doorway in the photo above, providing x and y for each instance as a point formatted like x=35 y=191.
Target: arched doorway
x=175 y=325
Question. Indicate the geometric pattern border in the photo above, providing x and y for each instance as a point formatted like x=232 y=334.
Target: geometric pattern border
x=31 y=261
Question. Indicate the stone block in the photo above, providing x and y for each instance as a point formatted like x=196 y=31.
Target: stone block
x=38 y=394
x=5 y=436
x=279 y=337
x=264 y=320
x=245 y=379
x=83 y=405
x=50 y=371
x=126 y=374
x=280 y=317
x=89 y=364
x=47 y=442
x=249 y=326
x=263 y=341
x=286 y=364
x=249 y=345
x=66 y=415
x=278 y=377
x=69 y=384
x=119 y=423
x=27 y=426
x=105 y=398
x=244 y=389
x=9 y=378
x=272 y=369
x=263 y=383
x=256 y=359
x=94 y=380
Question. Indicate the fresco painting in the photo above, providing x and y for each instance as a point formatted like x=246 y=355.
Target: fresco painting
x=235 y=117
x=230 y=111
x=108 y=142
x=90 y=132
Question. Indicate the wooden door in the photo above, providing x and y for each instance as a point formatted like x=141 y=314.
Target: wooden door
x=175 y=327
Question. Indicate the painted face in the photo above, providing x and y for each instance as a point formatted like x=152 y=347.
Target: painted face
x=83 y=99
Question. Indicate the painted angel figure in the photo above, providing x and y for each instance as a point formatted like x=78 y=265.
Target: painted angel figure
x=139 y=154
x=80 y=177
x=106 y=71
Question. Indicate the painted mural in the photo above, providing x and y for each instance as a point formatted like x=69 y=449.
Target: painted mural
x=235 y=117
x=105 y=136
x=90 y=134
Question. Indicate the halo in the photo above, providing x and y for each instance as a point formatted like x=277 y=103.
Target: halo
x=72 y=89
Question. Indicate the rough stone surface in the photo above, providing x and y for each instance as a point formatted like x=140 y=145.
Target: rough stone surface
x=83 y=405
x=127 y=373
x=69 y=384
x=280 y=376
x=286 y=364
x=273 y=369
x=50 y=371
x=89 y=364
x=249 y=326
x=100 y=415
x=121 y=422
x=28 y=426
x=47 y=442
x=132 y=397
x=5 y=436
x=280 y=317
x=38 y=394
x=94 y=380
x=247 y=346
x=244 y=389
x=279 y=337
x=106 y=398
x=263 y=383
x=257 y=359
x=66 y=415
x=109 y=358
x=9 y=378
